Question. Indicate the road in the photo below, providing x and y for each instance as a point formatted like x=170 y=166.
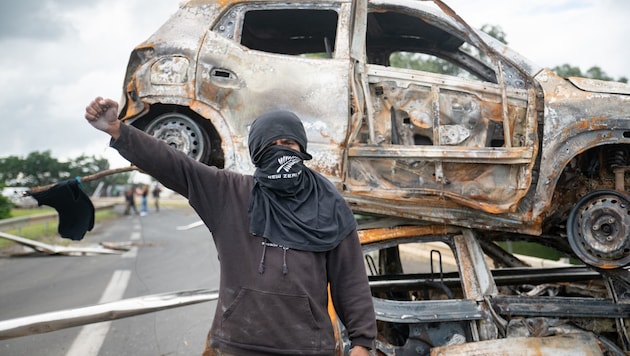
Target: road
x=165 y=259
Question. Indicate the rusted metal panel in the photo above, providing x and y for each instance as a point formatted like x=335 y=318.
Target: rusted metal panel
x=383 y=234
x=575 y=121
x=476 y=277
x=582 y=344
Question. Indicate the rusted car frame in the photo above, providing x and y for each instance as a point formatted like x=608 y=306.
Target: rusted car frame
x=507 y=146
x=476 y=309
x=499 y=149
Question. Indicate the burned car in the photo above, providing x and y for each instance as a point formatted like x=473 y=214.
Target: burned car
x=442 y=291
x=499 y=149
x=506 y=146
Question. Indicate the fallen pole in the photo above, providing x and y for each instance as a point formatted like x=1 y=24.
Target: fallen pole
x=88 y=178
x=62 y=250
x=63 y=319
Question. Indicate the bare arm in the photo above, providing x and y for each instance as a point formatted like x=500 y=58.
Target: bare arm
x=102 y=114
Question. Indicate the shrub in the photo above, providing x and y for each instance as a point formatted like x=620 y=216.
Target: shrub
x=5 y=207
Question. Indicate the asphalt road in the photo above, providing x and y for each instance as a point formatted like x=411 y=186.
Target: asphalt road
x=165 y=260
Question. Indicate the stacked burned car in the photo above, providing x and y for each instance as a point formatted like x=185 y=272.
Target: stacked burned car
x=501 y=150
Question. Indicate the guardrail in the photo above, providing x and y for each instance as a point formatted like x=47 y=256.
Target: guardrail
x=20 y=222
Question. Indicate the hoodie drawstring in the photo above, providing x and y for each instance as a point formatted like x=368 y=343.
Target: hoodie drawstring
x=285 y=268
x=261 y=265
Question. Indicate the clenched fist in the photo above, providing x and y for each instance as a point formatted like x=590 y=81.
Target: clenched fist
x=102 y=114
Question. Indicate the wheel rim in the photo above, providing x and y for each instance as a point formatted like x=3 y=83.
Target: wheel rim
x=598 y=229
x=181 y=132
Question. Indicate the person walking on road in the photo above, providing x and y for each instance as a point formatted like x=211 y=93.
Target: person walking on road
x=283 y=236
x=130 y=201
x=156 y=196
x=144 y=194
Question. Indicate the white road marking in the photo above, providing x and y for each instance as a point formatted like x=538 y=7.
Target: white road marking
x=91 y=337
x=135 y=236
x=190 y=226
x=132 y=253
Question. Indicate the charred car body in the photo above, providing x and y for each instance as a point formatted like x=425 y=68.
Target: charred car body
x=504 y=150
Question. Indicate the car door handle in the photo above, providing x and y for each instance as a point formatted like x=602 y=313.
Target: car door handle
x=223 y=77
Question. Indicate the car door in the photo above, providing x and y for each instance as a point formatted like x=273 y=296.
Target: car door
x=460 y=136
x=266 y=56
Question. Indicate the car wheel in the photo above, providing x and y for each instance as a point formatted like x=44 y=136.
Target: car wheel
x=181 y=132
x=598 y=229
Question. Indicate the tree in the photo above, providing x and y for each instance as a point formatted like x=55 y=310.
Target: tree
x=423 y=62
x=496 y=32
x=594 y=72
x=5 y=207
x=433 y=64
x=40 y=168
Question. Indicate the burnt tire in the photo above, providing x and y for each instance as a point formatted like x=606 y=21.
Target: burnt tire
x=598 y=229
x=181 y=132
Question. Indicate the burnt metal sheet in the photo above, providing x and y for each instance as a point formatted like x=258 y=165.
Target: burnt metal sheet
x=368 y=236
x=476 y=276
x=502 y=277
x=426 y=310
x=559 y=307
x=581 y=344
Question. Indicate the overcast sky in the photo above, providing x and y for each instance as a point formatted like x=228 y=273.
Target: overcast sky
x=59 y=54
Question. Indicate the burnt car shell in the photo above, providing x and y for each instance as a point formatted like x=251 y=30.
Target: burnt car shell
x=500 y=147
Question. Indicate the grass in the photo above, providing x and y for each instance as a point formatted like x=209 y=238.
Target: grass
x=535 y=250
x=46 y=232
x=18 y=213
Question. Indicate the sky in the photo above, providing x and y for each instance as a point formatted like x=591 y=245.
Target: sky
x=57 y=55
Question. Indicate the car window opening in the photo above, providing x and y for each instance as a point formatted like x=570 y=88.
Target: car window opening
x=291 y=31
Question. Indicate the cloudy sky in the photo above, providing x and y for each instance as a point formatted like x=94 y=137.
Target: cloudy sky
x=59 y=54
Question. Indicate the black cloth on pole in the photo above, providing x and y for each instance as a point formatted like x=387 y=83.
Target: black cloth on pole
x=75 y=209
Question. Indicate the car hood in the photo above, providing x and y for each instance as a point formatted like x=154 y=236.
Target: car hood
x=600 y=86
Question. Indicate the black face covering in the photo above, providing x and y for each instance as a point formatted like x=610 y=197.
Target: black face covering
x=291 y=205
x=281 y=169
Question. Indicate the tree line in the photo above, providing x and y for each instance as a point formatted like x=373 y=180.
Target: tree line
x=436 y=65
x=40 y=168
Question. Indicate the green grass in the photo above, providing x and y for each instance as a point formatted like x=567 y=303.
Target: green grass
x=535 y=250
x=46 y=232
x=18 y=213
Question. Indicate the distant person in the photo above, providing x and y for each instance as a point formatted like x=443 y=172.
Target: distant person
x=285 y=237
x=156 y=196
x=130 y=201
x=144 y=196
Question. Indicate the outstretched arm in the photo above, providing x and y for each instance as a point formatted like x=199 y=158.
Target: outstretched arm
x=102 y=114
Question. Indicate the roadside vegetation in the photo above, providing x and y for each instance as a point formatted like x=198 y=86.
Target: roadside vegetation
x=47 y=232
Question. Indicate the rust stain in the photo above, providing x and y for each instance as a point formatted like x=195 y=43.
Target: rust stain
x=384 y=234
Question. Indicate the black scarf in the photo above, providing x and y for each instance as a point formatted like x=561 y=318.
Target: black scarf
x=292 y=205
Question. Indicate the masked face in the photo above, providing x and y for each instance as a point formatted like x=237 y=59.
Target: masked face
x=270 y=128
x=281 y=170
